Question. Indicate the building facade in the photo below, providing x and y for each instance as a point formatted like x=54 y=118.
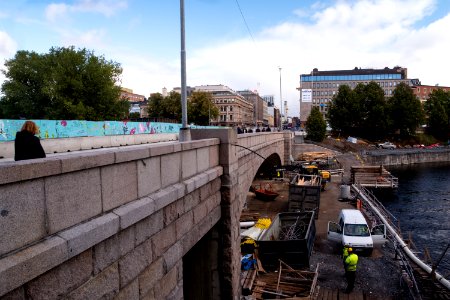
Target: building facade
x=318 y=88
x=234 y=109
x=423 y=91
x=258 y=106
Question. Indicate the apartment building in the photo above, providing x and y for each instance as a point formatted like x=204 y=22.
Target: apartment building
x=259 y=107
x=234 y=109
x=318 y=88
x=423 y=91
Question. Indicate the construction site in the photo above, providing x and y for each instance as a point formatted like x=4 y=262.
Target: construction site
x=286 y=253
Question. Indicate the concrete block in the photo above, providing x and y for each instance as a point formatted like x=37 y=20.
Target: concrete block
x=59 y=281
x=167 y=284
x=184 y=224
x=130 y=292
x=119 y=184
x=130 y=153
x=200 y=212
x=106 y=253
x=203 y=159
x=19 y=268
x=149 y=226
x=191 y=200
x=151 y=275
x=103 y=286
x=190 y=239
x=180 y=190
x=7 y=149
x=205 y=191
x=170 y=169
x=190 y=185
x=149 y=175
x=22 y=214
x=173 y=211
x=163 y=240
x=162 y=148
x=132 y=264
x=173 y=255
x=17 y=294
x=135 y=211
x=95 y=142
x=201 y=179
x=165 y=197
x=176 y=147
x=61 y=145
x=86 y=160
x=127 y=239
x=29 y=169
x=72 y=198
x=86 y=235
x=189 y=163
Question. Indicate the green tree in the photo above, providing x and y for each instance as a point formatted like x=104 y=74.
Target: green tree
x=63 y=84
x=172 y=106
x=437 y=109
x=201 y=109
x=341 y=111
x=155 y=106
x=315 y=125
x=405 y=111
x=375 y=121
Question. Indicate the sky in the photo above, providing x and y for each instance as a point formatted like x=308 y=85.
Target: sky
x=238 y=43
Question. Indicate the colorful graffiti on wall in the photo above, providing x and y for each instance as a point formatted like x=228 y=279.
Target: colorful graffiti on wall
x=51 y=129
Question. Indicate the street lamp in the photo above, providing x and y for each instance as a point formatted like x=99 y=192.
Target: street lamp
x=185 y=133
x=281 y=104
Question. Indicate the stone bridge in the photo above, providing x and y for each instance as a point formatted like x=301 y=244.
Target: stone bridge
x=153 y=221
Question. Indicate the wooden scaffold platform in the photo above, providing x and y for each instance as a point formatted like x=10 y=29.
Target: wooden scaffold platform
x=373 y=177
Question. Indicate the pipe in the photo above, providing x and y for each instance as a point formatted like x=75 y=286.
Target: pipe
x=403 y=245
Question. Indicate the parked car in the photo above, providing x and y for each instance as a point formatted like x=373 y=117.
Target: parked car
x=386 y=145
x=353 y=231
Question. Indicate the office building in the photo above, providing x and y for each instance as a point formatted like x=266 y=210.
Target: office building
x=318 y=88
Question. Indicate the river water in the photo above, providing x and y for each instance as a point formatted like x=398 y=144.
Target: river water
x=422 y=207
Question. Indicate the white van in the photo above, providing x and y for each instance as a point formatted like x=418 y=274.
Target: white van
x=352 y=231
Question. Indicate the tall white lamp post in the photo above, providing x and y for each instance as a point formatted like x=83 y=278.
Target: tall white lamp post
x=281 y=104
x=185 y=133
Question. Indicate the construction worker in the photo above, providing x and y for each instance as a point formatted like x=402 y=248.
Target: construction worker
x=350 y=270
x=344 y=254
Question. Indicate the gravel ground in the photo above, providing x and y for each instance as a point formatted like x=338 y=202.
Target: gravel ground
x=377 y=277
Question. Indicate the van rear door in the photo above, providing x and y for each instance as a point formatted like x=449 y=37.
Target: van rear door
x=334 y=232
x=379 y=234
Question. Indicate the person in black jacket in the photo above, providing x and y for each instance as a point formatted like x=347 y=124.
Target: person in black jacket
x=27 y=145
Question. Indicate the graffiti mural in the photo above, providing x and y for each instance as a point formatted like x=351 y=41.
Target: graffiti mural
x=52 y=129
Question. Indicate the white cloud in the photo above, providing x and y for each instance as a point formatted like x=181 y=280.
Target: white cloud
x=8 y=46
x=7 y=49
x=60 y=11
x=56 y=11
x=367 y=34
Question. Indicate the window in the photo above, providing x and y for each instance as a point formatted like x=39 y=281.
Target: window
x=231 y=117
x=231 y=108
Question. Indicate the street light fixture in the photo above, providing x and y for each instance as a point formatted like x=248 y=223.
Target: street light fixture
x=281 y=103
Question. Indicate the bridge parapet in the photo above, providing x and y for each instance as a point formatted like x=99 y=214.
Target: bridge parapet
x=110 y=216
x=128 y=222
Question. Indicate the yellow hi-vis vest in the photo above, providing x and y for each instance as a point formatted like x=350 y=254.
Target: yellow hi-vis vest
x=345 y=253
x=350 y=262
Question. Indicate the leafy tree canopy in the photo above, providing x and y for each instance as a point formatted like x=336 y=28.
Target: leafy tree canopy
x=405 y=110
x=201 y=109
x=437 y=109
x=62 y=84
x=199 y=105
x=340 y=110
x=315 y=125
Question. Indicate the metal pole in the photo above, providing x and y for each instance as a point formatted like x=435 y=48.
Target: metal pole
x=185 y=134
x=281 y=104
